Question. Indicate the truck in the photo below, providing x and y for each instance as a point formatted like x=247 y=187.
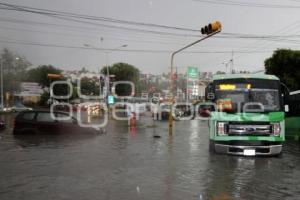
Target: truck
x=247 y=114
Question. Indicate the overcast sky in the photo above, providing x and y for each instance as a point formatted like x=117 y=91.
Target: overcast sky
x=191 y=14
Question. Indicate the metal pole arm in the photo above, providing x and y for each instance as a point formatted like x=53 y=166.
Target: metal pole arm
x=187 y=46
x=171 y=78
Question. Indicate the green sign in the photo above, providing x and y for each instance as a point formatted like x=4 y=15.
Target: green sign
x=192 y=80
x=193 y=72
x=111 y=99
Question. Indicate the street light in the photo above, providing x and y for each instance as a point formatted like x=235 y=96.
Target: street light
x=107 y=64
x=209 y=30
x=226 y=63
x=106 y=57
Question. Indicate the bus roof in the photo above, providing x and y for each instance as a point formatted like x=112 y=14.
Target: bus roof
x=236 y=76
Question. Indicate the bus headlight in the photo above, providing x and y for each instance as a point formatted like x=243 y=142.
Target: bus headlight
x=276 y=129
x=221 y=128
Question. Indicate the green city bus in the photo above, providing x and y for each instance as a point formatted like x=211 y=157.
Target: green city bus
x=292 y=120
x=247 y=117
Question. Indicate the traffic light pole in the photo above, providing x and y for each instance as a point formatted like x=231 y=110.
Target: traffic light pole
x=171 y=80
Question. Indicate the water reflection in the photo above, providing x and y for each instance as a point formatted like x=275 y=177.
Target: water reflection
x=132 y=164
x=51 y=141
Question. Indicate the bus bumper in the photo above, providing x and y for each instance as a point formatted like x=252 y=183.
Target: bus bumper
x=248 y=150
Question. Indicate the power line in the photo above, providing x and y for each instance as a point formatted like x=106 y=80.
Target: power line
x=69 y=14
x=85 y=28
x=248 y=4
x=120 y=50
x=79 y=19
x=110 y=26
x=226 y=36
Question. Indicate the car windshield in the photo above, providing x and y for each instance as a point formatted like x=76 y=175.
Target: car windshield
x=19 y=105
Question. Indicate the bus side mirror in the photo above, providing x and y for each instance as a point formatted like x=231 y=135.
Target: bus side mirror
x=286 y=108
x=286 y=97
x=285 y=93
x=210 y=96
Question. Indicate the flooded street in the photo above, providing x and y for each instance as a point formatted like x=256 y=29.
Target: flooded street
x=133 y=164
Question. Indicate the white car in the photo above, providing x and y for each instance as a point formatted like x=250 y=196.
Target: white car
x=19 y=108
x=5 y=109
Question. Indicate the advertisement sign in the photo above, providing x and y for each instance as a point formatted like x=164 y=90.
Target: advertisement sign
x=30 y=89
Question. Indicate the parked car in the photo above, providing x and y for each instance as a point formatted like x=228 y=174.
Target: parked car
x=19 y=108
x=5 y=109
x=43 y=122
x=2 y=125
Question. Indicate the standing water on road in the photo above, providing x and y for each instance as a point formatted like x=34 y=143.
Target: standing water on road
x=128 y=163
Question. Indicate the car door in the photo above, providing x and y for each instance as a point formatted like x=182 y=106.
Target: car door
x=27 y=122
x=66 y=124
x=46 y=123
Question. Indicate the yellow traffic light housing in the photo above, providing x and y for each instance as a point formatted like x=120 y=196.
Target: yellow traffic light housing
x=211 y=27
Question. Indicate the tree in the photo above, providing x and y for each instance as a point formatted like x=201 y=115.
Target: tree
x=83 y=71
x=220 y=72
x=90 y=86
x=124 y=72
x=14 y=67
x=40 y=73
x=285 y=64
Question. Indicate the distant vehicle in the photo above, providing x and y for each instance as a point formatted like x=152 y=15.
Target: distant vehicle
x=164 y=110
x=5 y=109
x=19 y=108
x=183 y=110
x=2 y=125
x=41 y=122
x=203 y=110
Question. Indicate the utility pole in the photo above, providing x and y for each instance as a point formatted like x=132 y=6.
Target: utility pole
x=187 y=85
x=232 y=66
x=2 y=104
x=107 y=64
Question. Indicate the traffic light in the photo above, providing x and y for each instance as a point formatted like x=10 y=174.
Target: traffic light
x=211 y=27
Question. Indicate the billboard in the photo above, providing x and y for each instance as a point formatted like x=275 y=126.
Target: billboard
x=30 y=89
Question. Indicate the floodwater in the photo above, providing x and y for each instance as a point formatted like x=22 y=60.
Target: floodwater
x=133 y=164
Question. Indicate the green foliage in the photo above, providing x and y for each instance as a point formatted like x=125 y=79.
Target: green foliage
x=124 y=72
x=44 y=98
x=40 y=73
x=220 y=72
x=285 y=64
x=89 y=86
x=14 y=67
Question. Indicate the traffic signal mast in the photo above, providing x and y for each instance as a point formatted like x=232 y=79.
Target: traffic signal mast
x=211 y=28
x=208 y=30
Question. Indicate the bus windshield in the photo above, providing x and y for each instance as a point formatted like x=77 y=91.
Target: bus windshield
x=246 y=98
